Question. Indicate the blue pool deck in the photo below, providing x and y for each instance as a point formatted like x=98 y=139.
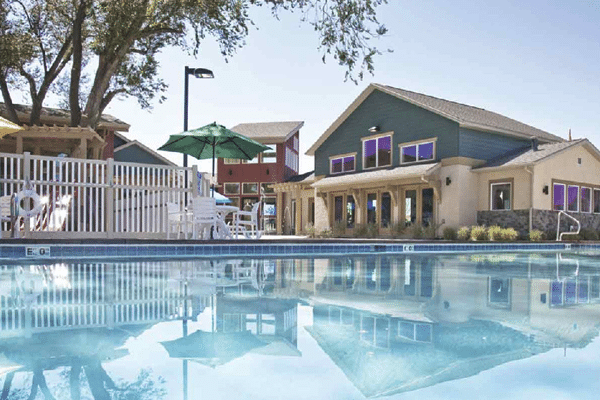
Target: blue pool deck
x=23 y=249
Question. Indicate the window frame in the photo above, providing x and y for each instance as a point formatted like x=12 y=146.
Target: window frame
x=226 y=193
x=491 y=184
x=577 y=197
x=262 y=155
x=416 y=143
x=564 y=196
x=253 y=193
x=376 y=138
x=231 y=161
x=341 y=157
x=593 y=202
x=590 y=200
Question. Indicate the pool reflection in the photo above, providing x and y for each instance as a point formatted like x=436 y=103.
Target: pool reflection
x=391 y=323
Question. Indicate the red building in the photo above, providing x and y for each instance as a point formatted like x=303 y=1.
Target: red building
x=246 y=182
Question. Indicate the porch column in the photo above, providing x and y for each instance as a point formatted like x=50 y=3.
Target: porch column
x=83 y=148
x=298 y=219
x=358 y=200
x=19 y=149
x=279 y=213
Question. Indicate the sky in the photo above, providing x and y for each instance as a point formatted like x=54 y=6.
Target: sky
x=534 y=61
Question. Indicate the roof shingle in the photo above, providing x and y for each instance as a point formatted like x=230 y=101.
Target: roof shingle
x=279 y=131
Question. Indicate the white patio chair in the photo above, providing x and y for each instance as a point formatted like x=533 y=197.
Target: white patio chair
x=205 y=216
x=181 y=220
x=59 y=214
x=247 y=227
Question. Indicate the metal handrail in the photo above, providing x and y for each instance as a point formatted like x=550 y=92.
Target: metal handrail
x=560 y=235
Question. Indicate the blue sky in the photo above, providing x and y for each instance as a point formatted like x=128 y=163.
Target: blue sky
x=537 y=62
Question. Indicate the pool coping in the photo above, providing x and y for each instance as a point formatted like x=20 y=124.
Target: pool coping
x=69 y=249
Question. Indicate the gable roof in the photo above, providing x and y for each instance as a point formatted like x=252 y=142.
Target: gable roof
x=527 y=156
x=274 y=132
x=141 y=146
x=57 y=116
x=466 y=116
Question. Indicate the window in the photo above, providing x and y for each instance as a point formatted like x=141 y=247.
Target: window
x=250 y=188
x=499 y=292
x=415 y=331
x=231 y=160
x=558 y=194
x=417 y=152
x=372 y=208
x=586 y=199
x=265 y=188
x=253 y=161
x=291 y=159
x=500 y=196
x=338 y=208
x=296 y=143
x=377 y=152
x=386 y=210
x=231 y=188
x=573 y=198
x=596 y=201
x=342 y=164
x=270 y=156
x=350 y=212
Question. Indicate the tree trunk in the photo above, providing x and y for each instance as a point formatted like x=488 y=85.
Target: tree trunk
x=10 y=107
x=7 y=384
x=76 y=67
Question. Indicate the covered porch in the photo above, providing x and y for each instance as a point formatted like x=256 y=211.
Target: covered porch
x=383 y=198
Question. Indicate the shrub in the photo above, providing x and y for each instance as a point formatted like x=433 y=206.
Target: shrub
x=326 y=233
x=588 y=234
x=495 y=233
x=398 y=229
x=449 y=233
x=478 y=233
x=339 y=229
x=509 y=234
x=415 y=231
x=360 y=230
x=464 y=233
x=536 y=236
x=310 y=230
x=372 y=230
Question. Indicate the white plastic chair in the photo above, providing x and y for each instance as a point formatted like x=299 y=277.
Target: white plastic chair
x=59 y=214
x=248 y=227
x=179 y=219
x=205 y=216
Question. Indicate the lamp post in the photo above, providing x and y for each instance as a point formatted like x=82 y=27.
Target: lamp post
x=198 y=73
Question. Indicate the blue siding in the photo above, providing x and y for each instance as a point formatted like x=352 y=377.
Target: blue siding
x=408 y=122
x=485 y=145
x=136 y=155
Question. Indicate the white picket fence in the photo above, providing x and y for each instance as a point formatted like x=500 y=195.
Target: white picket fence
x=97 y=198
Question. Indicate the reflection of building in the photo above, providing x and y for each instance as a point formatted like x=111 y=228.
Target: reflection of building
x=274 y=321
x=398 y=323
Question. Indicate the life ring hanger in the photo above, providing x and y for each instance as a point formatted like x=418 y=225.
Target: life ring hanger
x=35 y=198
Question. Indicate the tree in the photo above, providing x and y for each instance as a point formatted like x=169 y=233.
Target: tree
x=125 y=37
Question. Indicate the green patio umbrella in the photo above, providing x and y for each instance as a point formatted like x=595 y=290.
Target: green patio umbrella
x=213 y=141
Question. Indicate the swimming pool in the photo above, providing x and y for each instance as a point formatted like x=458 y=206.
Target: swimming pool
x=472 y=325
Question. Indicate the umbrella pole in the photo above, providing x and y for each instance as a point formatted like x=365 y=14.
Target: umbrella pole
x=213 y=168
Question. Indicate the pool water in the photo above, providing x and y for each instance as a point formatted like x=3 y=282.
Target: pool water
x=493 y=326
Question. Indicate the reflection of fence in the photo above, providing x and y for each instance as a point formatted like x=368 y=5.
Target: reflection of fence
x=108 y=198
x=60 y=296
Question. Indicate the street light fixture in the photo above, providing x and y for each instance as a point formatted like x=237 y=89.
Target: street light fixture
x=200 y=73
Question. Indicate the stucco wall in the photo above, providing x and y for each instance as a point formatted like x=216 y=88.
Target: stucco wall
x=520 y=191
x=460 y=198
x=564 y=167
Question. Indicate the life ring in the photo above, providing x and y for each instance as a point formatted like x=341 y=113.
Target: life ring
x=37 y=204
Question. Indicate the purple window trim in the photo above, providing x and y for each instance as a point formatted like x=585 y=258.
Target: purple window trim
x=586 y=200
x=558 y=191
x=573 y=198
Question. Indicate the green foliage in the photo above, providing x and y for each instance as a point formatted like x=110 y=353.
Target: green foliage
x=360 y=230
x=478 y=233
x=449 y=233
x=415 y=231
x=113 y=45
x=536 y=236
x=372 y=230
x=310 y=230
x=398 y=229
x=325 y=234
x=495 y=233
x=464 y=233
x=339 y=229
x=588 y=234
x=509 y=234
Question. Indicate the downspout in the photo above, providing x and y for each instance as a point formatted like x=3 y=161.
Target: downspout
x=530 y=170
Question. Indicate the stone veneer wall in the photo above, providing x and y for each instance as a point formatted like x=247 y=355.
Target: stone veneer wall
x=543 y=220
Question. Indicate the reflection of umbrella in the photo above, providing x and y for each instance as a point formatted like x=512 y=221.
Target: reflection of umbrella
x=213 y=141
x=7 y=127
x=213 y=348
x=219 y=197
